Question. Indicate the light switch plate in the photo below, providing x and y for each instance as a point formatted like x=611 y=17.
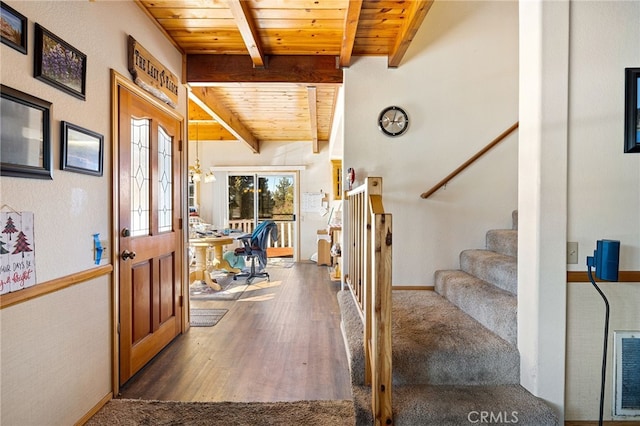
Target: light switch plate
x=105 y=251
x=572 y=252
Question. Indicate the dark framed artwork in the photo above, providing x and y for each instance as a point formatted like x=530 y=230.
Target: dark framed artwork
x=82 y=150
x=632 y=110
x=59 y=64
x=13 y=26
x=25 y=132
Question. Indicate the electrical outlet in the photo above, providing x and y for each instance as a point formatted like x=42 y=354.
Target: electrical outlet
x=572 y=252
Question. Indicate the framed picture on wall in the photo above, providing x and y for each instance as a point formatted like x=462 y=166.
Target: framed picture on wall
x=82 y=150
x=14 y=28
x=25 y=150
x=632 y=110
x=59 y=64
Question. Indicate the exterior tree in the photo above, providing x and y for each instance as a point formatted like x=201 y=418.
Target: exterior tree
x=283 y=197
x=265 y=202
x=241 y=197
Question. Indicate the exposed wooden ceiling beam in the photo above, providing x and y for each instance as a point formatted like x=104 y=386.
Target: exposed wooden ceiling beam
x=219 y=111
x=349 y=31
x=314 y=69
x=241 y=11
x=313 y=117
x=416 y=14
x=208 y=130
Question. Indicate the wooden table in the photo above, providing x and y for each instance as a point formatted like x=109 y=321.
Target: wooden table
x=201 y=271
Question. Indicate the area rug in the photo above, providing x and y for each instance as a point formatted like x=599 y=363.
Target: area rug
x=281 y=262
x=206 y=317
x=137 y=412
x=231 y=289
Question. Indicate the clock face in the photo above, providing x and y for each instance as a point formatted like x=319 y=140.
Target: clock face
x=393 y=121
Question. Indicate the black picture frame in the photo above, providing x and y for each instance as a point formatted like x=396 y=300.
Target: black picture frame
x=25 y=132
x=14 y=28
x=59 y=64
x=82 y=150
x=632 y=110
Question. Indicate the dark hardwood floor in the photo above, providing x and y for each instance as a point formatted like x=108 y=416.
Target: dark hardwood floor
x=280 y=341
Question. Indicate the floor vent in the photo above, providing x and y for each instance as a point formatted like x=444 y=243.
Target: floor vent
x=626 y=351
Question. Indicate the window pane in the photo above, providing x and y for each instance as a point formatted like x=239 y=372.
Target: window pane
x=275 y=197
x=165 y=173
x=139 y=177
x=241 y=208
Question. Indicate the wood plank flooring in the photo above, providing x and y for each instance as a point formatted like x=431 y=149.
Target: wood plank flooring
x=281 y=341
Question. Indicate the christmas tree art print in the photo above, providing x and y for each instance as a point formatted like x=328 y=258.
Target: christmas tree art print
x=17 y=251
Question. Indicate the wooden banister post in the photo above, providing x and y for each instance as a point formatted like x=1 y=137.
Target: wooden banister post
x=381 y=386
x=369 y=241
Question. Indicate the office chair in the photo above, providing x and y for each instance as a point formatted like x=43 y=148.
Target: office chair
x=254 y=246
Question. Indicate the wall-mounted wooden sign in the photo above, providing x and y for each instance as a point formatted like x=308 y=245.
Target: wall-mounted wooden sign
x=151 y=75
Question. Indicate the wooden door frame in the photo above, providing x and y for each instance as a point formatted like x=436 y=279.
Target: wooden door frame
x=117 y=81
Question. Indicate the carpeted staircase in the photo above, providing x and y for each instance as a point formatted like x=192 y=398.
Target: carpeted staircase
x=455 y=356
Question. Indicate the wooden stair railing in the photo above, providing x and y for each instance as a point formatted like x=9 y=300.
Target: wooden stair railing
x=368 y=238
x=470 y=161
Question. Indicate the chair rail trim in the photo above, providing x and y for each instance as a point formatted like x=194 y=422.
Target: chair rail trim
x=41 y=289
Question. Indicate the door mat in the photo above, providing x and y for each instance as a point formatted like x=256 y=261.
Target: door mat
x=206 y=317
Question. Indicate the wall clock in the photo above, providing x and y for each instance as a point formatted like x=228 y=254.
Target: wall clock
x=393 y=121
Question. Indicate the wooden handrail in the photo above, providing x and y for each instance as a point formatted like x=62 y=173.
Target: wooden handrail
x=470 y=161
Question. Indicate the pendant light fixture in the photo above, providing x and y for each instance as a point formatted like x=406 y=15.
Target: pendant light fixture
x=195 y=172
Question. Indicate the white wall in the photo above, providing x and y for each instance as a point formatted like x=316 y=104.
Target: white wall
x=315 y=176
x=542 y=198
x=56 y=349
x=604 y=190
x=459 y=85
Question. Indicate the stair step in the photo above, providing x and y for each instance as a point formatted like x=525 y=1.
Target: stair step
x=503 y=241
x=436 y=343
x=433 y=343
x=495 y=268
x=494 y=308
x=459 y=405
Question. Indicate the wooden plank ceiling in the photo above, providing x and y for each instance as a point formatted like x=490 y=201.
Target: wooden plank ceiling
x=270 y=70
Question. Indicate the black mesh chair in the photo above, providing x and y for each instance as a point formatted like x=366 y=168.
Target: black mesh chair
x=254 y=247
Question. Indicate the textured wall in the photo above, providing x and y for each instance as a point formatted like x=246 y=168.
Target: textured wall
x=56 y=349
x=604 y=191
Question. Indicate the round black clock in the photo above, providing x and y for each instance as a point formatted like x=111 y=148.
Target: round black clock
x=393 y=121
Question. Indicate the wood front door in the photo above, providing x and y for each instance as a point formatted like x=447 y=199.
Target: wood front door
x=150 y=283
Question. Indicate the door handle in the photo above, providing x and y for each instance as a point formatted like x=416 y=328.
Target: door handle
x=126 y=254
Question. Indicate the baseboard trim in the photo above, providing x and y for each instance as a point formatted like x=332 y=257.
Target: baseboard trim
x=108 y=397
x=411 y=287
